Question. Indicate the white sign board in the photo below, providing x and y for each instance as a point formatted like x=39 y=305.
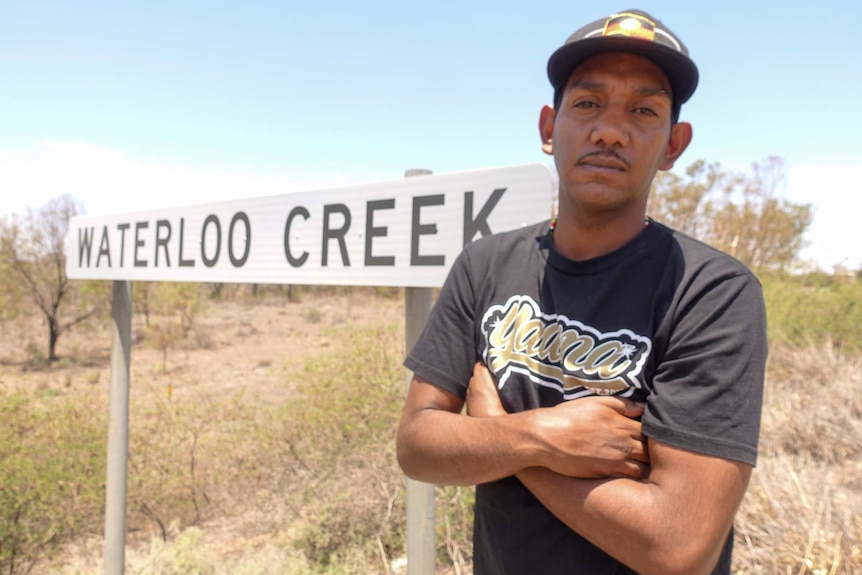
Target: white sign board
x=395 y=233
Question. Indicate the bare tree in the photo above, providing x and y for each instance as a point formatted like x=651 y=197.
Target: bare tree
x=33 y=251
x=741 y=214
x=678 y=201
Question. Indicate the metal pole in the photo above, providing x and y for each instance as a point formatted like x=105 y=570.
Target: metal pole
x=118 y=428
x=421 y=545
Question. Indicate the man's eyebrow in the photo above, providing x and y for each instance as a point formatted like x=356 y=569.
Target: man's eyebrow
x=647 y=91
x=644 y=91
x=588 y=86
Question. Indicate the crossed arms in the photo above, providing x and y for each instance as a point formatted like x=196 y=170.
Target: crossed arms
x=655 y=508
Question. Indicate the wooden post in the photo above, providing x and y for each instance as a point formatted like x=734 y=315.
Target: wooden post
x=118 y=429
x=421 y=545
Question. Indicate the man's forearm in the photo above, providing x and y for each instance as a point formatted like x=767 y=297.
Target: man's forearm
x=623 y=517
x=666 y=524
x=445 y=448
x=437 y=444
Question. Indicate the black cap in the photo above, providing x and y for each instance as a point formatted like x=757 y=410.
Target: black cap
x=632 y=31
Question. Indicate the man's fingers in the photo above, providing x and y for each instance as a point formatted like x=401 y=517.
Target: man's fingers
x=634 y=469
x=639 y=451
x=628 y=407
x=482 y=373
x=483 y=399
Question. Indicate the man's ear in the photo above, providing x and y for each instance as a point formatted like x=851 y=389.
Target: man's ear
x=546 y=129
x=680 y=138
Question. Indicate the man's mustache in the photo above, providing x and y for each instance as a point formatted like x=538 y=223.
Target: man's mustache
x=608 y=153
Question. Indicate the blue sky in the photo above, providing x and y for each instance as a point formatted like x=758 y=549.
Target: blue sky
x=138 y=105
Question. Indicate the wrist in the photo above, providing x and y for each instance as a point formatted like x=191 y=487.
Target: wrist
x=523 y=438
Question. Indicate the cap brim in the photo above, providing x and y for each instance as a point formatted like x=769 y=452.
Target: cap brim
x=680 y=70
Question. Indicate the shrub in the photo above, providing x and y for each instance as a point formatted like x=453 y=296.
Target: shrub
x=339 y=430
x=814 y=309
x=52 y=469
x=180 y=452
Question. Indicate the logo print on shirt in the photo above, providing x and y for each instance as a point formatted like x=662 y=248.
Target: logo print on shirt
x=560 y=353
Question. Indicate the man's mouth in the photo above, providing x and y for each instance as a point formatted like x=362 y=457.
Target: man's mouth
x=604 y=161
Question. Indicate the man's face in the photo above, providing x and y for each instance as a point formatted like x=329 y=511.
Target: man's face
x=612 y=133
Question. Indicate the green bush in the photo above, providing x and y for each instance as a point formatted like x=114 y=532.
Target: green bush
x=814 y=309
x=339 y=430
x=52 y=469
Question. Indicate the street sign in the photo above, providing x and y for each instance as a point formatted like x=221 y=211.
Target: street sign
x=404 y=232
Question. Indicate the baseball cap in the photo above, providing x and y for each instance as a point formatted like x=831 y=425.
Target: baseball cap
x=632 y=31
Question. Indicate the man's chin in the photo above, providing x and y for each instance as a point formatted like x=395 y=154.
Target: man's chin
x=599 y=189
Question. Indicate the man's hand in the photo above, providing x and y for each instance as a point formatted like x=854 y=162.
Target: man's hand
x=590 y=437
x=482 y=397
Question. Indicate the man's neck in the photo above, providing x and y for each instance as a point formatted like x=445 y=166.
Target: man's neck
x=583 y=239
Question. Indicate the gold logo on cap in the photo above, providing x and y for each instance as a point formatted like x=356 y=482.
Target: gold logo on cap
x=631 y=26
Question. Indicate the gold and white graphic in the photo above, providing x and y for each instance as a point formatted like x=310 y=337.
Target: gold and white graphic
x=561 y=353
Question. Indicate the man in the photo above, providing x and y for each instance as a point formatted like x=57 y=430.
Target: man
x=612 y=368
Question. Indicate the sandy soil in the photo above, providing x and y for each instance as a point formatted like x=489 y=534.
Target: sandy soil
x=258 y=347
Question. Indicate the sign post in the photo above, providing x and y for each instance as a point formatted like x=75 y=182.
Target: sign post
x=118 y=428
x=419 y=496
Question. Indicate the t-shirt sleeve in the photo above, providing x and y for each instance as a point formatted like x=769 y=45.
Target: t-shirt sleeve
x=446 y=350
x=708 y=386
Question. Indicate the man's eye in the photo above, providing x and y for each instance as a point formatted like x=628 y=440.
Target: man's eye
x=646 y=111
x=584 y=104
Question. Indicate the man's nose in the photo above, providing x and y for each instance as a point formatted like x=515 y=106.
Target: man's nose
x=610 y=128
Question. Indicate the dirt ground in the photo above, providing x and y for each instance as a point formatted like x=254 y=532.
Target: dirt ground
x=255 y=346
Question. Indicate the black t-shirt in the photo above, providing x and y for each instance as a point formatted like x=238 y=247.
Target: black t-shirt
x=665 y=319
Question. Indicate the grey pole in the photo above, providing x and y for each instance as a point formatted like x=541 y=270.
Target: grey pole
x=118 y=428
x=421 y=547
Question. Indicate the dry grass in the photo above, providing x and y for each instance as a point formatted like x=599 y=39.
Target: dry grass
x=803 y=510
x=269 y=497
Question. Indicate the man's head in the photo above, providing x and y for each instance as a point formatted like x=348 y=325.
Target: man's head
x=632 y=31
x=619 y=84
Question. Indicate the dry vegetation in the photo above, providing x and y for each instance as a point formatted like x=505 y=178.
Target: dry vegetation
x=262 y=442
x=803 y=511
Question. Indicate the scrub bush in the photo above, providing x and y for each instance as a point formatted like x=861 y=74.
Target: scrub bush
x=814 y=310
x=52 y=469
x=339 y=430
